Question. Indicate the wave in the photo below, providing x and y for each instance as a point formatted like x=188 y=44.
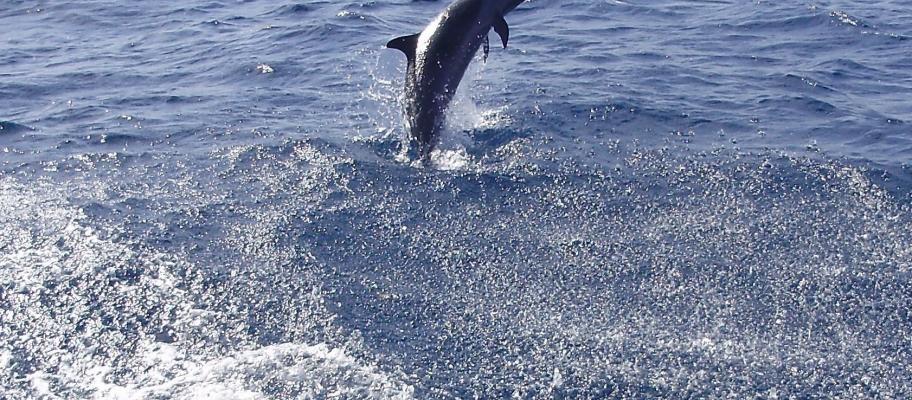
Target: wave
x=8 y=127
x=295 y=9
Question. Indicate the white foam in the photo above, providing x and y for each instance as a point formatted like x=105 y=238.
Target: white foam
x=557 y=379
x=493 y=118
x=5 y=358
x=46 y=240
x=296 y=370
x=450 y=160
x=39 y=381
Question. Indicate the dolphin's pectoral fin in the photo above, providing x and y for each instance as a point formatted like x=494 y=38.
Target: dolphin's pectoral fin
x=486 y=48
x=500 y=26
x=407 y=44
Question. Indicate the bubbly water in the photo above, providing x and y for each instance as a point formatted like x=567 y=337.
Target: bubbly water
x=673 y=199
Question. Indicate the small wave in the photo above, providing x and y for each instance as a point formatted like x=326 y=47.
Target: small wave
x=291 y=9
x=8 y=127
x=780 y=24
x=186 y=11
x=797 y=82
x=845 y=19
x=844 y=67
x=119 y=138
x=214 y=22
x=322 y=30
x=806 y=103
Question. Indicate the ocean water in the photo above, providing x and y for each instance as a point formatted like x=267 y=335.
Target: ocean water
x=635 y=199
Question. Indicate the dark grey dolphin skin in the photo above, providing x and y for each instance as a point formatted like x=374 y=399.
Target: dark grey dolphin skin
x=437 y=59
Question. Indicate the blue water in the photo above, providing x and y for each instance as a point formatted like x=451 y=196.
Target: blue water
x=664 y=199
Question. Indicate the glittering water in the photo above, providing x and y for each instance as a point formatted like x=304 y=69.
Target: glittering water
x=635 y=199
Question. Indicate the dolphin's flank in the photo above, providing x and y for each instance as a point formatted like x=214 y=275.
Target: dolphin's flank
x=437 y=59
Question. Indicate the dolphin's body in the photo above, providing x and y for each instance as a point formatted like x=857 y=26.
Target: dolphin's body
x=437 y=59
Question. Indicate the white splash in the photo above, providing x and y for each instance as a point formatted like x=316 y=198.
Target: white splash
x=450 y=160
x=313 y=371
x=47 y=240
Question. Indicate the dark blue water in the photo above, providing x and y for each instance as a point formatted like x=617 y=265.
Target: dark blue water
x=666 y=199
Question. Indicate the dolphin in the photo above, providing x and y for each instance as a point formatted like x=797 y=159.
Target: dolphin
x=437 y=59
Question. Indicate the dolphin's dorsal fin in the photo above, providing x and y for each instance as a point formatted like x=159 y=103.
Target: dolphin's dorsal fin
x=500 y=26
x=407 y=44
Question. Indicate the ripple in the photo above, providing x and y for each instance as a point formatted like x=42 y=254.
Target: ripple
x=7 y=127
x=292 y=9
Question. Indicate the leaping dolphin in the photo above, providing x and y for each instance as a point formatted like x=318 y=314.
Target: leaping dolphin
x=437 y=59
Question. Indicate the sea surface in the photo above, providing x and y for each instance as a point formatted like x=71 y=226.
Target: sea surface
x=206 y=199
